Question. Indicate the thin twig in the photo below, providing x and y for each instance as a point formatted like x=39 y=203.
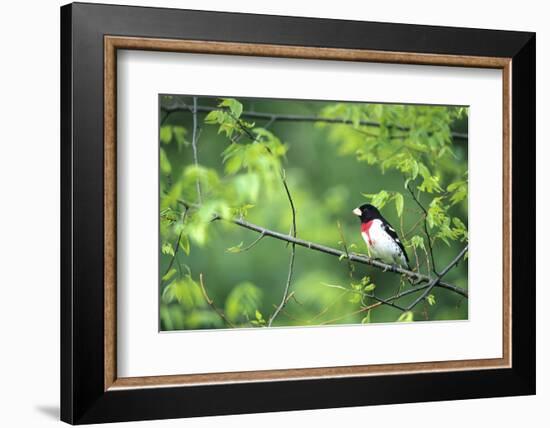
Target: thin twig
x=181 y=106
x=292 y=253
x=345 y=245
x=354 y=257
x=426 y=318
x=270 y=122
x=212 y=305
x=427 y=259
x=372 y=296
x=252 y=244
x=382 y=302
x=291 y=202
x=163 y=120
x=327 y=308
x=291 y=317
x=287 y=285
x=413 y=227
x=425 y=227
x=416 y=259
x=284 y=312
x=255 y=139
x=436 y=280
x=194 y=144
x=364 y=309
x=177 y=242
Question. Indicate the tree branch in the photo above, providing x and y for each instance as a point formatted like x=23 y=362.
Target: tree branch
x=387 y=302
x=381 y=302
x=345 y=246
x=357 y=258
x=249 y=246
x=194 y=145
x=180 y=106
x=284 y=300
x=177 y=247
x=212 y=305
x=436 y=280
x=425 y=227
x=292 y=253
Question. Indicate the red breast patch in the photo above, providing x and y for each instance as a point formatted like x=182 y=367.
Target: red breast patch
x=365 y=228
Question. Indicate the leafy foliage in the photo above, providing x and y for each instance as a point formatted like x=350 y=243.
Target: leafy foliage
x=243 y=301
x=368 y=152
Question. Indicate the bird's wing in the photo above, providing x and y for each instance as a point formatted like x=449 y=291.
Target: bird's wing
x=391 y=231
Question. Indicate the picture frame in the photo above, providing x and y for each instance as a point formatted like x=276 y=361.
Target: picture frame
x=91 y=35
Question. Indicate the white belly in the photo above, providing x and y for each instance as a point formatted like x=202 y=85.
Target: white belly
x=382 y=246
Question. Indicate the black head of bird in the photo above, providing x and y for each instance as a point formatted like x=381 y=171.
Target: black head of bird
x=367 y=212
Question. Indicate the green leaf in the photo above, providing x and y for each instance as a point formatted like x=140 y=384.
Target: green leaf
x=407 y=316
x=378 y=199
x=243 y=301
x=234 y=106
x=228 y=128
x=166 y=134
x=167 y=249
x=179 y=133
x=415 y=170
x=242 y=210
x=430 y=299
x=418 y=242
x=208 y=178
x=185 y=244
x=354 y=298
x=459 y=190
x=234 y=164
x=235 y=249
x=212 y=117
x=185 y=291
x=399 y=202
x=369 y=288
x=259 y=321
x=337 y=286
x=203 y=319
x=430 y=182
x=165 y=166
x=436 y=213
x=169 y=274
x=199 y=233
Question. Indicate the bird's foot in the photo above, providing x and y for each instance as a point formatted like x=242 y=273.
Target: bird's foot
x=392 y=268
x=388 y=267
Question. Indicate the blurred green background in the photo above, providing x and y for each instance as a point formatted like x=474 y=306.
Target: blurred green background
x=330 y=168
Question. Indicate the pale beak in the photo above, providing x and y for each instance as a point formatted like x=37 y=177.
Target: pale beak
x=357 y=212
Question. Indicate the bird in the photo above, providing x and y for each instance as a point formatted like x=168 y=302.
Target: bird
x=381 y=238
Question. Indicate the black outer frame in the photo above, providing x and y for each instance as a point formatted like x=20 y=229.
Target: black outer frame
x=83 y=399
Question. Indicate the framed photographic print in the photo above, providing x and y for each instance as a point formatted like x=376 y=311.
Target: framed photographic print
x=265 y=213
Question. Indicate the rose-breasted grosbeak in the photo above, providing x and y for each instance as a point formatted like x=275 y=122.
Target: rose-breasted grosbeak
x=380 y=237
